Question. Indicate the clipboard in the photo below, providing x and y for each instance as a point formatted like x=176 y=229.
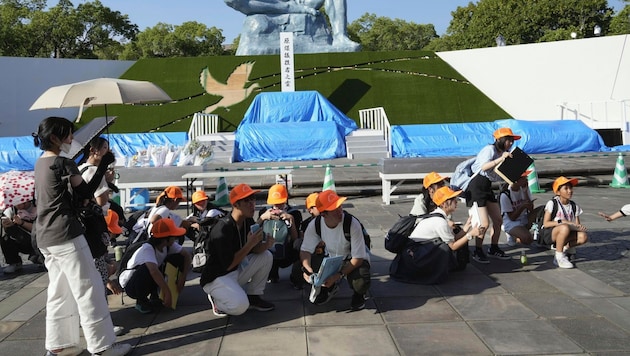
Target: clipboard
x=330 y=266
x=172 y=274
x=513 y=167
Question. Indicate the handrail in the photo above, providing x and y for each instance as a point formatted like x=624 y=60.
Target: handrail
x=376 y=119
x=203 y=124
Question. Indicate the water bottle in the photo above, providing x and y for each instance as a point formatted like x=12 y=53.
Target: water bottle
x=535 y=228
x=523 y=258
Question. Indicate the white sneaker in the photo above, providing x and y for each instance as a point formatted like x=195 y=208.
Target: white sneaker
x=116 y=349
x=68 y=351
x=511 y=241
x=562 y=261
x=118 y=330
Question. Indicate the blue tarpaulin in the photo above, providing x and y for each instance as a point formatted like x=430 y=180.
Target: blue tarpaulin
x=292 y=126
x=19 y=152
x=563 y=136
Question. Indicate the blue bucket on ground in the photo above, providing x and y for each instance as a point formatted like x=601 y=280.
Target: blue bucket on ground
x=139 y=197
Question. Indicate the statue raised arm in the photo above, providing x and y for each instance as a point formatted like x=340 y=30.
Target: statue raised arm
x=252 y=7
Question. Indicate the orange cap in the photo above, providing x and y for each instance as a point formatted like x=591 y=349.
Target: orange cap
x=505 y=131
x=112 y=222
x=165 y=227
x=198 y=196
x=241 y=191
x=432 y=178
x=443 y=194
x=277 y=194
x=311 y=200
x=562 y=180
x=173 y=192
x=328 y=200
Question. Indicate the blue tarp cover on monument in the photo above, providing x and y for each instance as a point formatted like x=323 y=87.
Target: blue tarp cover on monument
x=292 y=126
x=562 y=136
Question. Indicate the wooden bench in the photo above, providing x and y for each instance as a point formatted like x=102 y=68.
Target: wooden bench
x=401 y=169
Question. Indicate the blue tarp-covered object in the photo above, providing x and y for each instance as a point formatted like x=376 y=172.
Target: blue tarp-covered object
x=296 y=126
x=19 y=153
x=563 y=136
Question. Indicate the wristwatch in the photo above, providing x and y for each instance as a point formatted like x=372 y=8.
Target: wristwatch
x=469 y=237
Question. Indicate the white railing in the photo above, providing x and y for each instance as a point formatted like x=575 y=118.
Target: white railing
x=203 y=124
x=376 y=119
x=597 y=114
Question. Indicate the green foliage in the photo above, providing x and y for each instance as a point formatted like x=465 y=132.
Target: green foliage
x=620 y=23
x=376 y=33
x=478 y=24
x=190 y=39
x=413 y=87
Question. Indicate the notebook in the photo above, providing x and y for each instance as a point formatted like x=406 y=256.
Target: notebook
x=330 y=266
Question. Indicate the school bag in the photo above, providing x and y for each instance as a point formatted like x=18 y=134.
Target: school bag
x=542 y=234
x=129 y=251
x=397 y=237
x=347 y=221
x=463 y=174
x=201 y=249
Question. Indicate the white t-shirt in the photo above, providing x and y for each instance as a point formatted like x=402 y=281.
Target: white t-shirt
x=87 y=177
x=336 y=243
x=433 y=227
x=146 y=254
x=625 y=210
x=164 y=212
x=518 y=198
x=565 y=212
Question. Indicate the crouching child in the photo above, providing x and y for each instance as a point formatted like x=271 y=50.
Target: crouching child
x=143 y=274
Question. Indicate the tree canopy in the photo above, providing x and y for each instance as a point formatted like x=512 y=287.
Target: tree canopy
x=377 y=33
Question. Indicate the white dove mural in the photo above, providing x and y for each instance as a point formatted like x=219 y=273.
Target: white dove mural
x=234 y=91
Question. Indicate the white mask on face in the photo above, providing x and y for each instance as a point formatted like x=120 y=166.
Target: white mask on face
x=65 y=147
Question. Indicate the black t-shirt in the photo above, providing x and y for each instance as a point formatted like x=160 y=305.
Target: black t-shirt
x=225 y=242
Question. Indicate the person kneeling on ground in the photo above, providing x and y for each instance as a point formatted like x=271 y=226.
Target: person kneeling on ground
x=143 y=276
x=517 y=207
x=563 y=229
x=435 y=250
x=356 y=266
x=17 y=223
x=235 y=276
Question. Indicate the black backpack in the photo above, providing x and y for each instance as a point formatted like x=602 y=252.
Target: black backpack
x=397 y=237
x=201 y=249
x=129 y=251
x=347 y=221
x=542 y=234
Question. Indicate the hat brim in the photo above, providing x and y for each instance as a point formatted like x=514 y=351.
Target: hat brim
x=335 y=205
x=252 y=192
x=195 y=201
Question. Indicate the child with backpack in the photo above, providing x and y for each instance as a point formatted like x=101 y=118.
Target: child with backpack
x=432 y=252
x=516 y=206
x=480 y=191
x=561 y=223
x=423 y=202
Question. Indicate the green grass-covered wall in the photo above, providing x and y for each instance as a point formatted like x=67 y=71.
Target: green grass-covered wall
x=414 y=87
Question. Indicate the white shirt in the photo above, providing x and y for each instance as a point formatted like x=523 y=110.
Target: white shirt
x=146 y=254
x=336 y=243
x=518 y=198
x=433 y=227
x=87 y=177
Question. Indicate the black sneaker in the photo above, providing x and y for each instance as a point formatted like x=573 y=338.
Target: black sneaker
x=297 y=284
x=257 y=303
x=498 y=254
x=358 y=301
x=325 y=295
x=479 y=256
x=144 y=307
x=274 y=275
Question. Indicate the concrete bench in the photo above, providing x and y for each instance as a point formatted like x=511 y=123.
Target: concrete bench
x=401 y=169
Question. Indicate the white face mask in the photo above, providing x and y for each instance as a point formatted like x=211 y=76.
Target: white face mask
x=65 y=147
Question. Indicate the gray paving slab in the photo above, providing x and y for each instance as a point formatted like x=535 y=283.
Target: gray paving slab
x=499 y=308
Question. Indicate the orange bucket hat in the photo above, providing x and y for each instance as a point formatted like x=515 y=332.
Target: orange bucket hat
x=277 y=194
x=328 y=200
x=505 y=131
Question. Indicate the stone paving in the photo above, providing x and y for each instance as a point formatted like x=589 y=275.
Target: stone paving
x=500 y=308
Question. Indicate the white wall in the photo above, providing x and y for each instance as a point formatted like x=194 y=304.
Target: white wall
x=25 y=79
x=590 y=78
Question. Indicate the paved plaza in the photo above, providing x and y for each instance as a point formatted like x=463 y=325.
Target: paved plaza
x=503 y=308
